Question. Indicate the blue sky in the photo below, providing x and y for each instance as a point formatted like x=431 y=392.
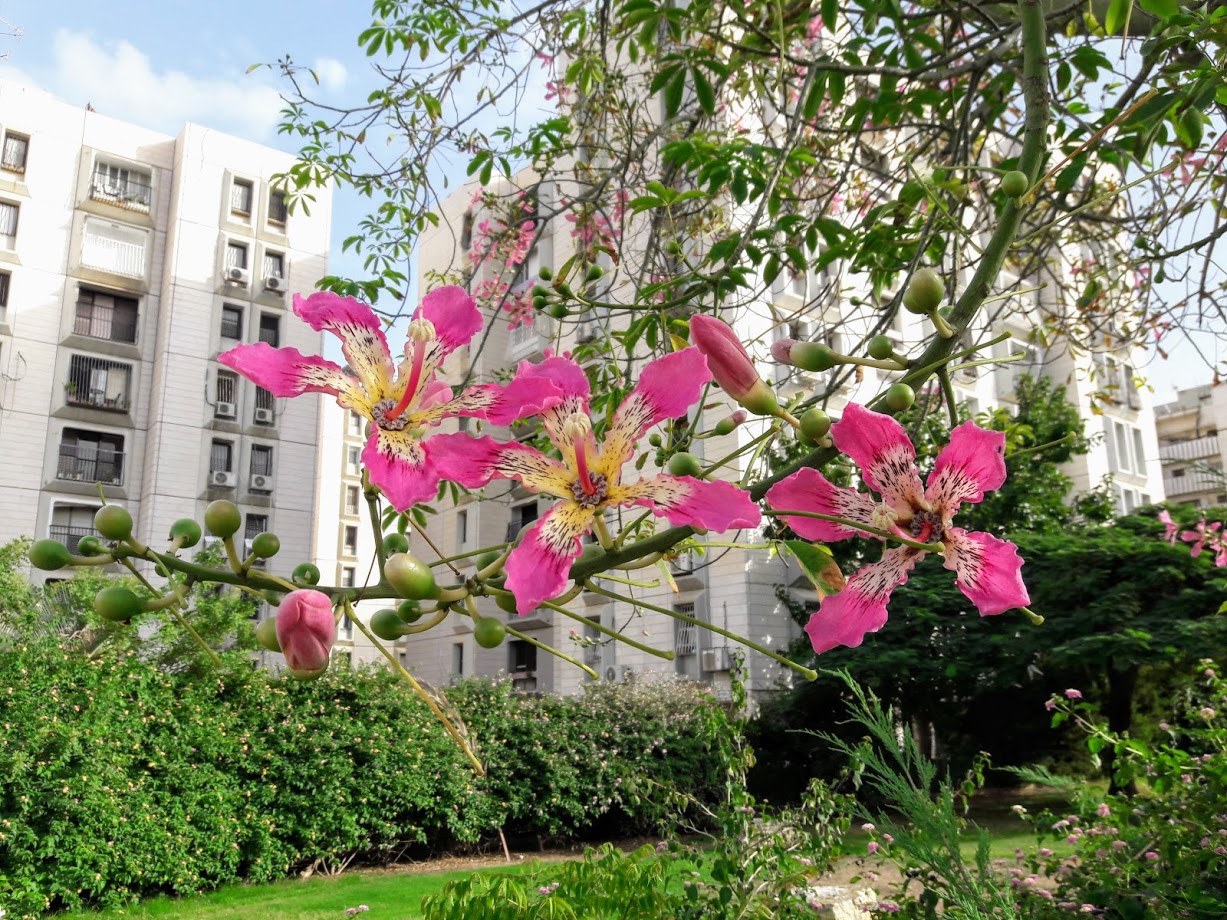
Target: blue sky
x=162 y=64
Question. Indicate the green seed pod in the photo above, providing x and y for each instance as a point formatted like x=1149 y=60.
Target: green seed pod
x=410 y=577
x=506 y=602
x=90 y=546
x=539 y=290
x=595 y=273
x=925 y=292
x=684 y=464
x=558 y=310
x=540 y=303
x=113 y=522
x=545 y=273
x=409 y=611
x=813 y=356
x=187 y=531
x=489 y=632
x=266 y=635
x=1015 y=183
x=881 y=348
x=387 y=624
x=395 y=543
x=655 y=439
x=223 y=518
x=900 y=396
x=815 y=424
x=49 y=555
x=116 y=604
x=673 y=248
x=305 y=574
x=485 y=560
x=265 y=545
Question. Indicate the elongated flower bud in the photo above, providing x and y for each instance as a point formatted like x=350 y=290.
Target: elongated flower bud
x=306 y=630
x=731 y=366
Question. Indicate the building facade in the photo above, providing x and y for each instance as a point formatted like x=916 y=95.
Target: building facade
x=128 y=261
x=1192 y=432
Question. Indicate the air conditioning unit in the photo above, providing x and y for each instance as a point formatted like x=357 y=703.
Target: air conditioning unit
x=224 y=410
x=716 y=659
x=236 y=276
x=221 y=479
x=261 y=482
x=274 y=283
x=264 y=416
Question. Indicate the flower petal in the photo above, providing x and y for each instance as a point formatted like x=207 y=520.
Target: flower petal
x=987 y=570
x=667 y=387
x=361 y=334
x=537 y=569
x=473 y=462
x=860 y=608
x=286 y=372
x=808 y=490
x=527 y=394
x=400 y=466
x=970 y=465
x=686 y=501
x=881 y=448
x=454 y=315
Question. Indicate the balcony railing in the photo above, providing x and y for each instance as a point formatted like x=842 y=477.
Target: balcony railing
x=115 y=256
x=90 y=463
x=131 y=193
x=1195 y=449
x=70 y=536
x=103 y=325
x=98 y=384
x=1194 y=481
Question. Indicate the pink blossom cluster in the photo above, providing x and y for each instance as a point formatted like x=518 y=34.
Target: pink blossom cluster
x=1200 y=537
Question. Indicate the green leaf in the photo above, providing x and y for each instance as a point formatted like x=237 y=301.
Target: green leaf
x=838 y=84
x=1068 y=177
x=703 y=91
x=818 y=566
x=673 y=92
x=1118 y=13
x=1163 y=9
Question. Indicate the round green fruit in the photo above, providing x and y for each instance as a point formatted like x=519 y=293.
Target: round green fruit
x=655 y=440
x=815 y=424
x=395 y=543
x=90 y=546
x=409 y=611
x=881 y=348
x=305 y=574
x=506 y=602
x=387 y=624
x=116 y=603
x=925 y=292
x=900 y=397
x=223 y=518
x=684 y=464
x=266 y=635
x=489 y=632
x=558 y=310
x=113 y=522
x=1015 y=183
x=595 y=273
x=813 y=356
x=485 y=560
x=545 y=273
x=50 y=555
x=186 y=531
x=410 y=576
x=265 y=545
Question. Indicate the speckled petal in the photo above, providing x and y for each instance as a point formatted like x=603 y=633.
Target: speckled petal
x=361 y=334
x=808 y=490
x=970 y=465
x=286 y=372
x=399 y=464
x=882 y=450
x=453 y=313
x=473 y=462
x=860 y=608
x=537 y=569
x=987 y=570
x=685 y=501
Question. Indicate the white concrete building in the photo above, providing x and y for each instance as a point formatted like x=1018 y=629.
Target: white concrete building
x=1192 y=432
x=128 y=261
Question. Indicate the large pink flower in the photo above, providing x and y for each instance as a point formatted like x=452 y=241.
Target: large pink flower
x=401 y=402
x=589 y=478
x=973 y=463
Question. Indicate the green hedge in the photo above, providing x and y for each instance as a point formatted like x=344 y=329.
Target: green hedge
x=120 y=780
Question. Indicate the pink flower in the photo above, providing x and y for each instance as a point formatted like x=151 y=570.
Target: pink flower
x=1207 y=713
x=1199 y=537
x=986 y=568
x=402 y=403
x=588 y=479
x=1050 y=704
x=1072 y=694
x=872 y=847
x=1103 y=810
x=731 y=365
x=1170 y=528
x=1151 y=855
x=306 y=630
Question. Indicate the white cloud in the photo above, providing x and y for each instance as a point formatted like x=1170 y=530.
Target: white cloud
x=332 y=73
x=118 y=79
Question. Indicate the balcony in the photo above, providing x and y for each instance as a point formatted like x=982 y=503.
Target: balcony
x=70 y=536
x=1193 y=481
x=529 y=339
x=123 y=189
x=96 y=383
x=114 y=248
x=105 y=324
x=1195 y=449
x=90 y=462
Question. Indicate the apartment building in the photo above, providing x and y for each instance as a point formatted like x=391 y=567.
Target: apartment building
x=128 y=261
x=1192 y=431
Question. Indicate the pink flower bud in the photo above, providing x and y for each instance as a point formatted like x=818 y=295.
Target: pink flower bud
x=1072 y=694
x=781 y=350
x=1103 y=810
x=306 y=630
x=731 y=365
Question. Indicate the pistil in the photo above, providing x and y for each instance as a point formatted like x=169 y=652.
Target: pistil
x=421 y=331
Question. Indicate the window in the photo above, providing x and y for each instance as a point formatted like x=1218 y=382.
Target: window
x=458 y=659
x=13 y=157
x=466 y=231
x=521 y=657
x=226 y=394
x=270 y=329
x=350 y=543
x=351 y=499
x=520 y=516
x=113 y=247
x=221 y=457
x=232 y=322
x=349 y=579
x=90 y=456
x=1139 y=452
x=1178 y=473
x=261 y=460
x=105 y=316
x=70 y=523
x=122 y=186
x=352 y=464
x=240 y=198
x=5 y=277
x=463 y=530
x=8 y=225
x=278 y=212
x=274 y=265
x=256 y=525
x=98 y=384
x=236 y=255
x=264 y=407
x=685 y=635
x=345 y=628
x=354 y=421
